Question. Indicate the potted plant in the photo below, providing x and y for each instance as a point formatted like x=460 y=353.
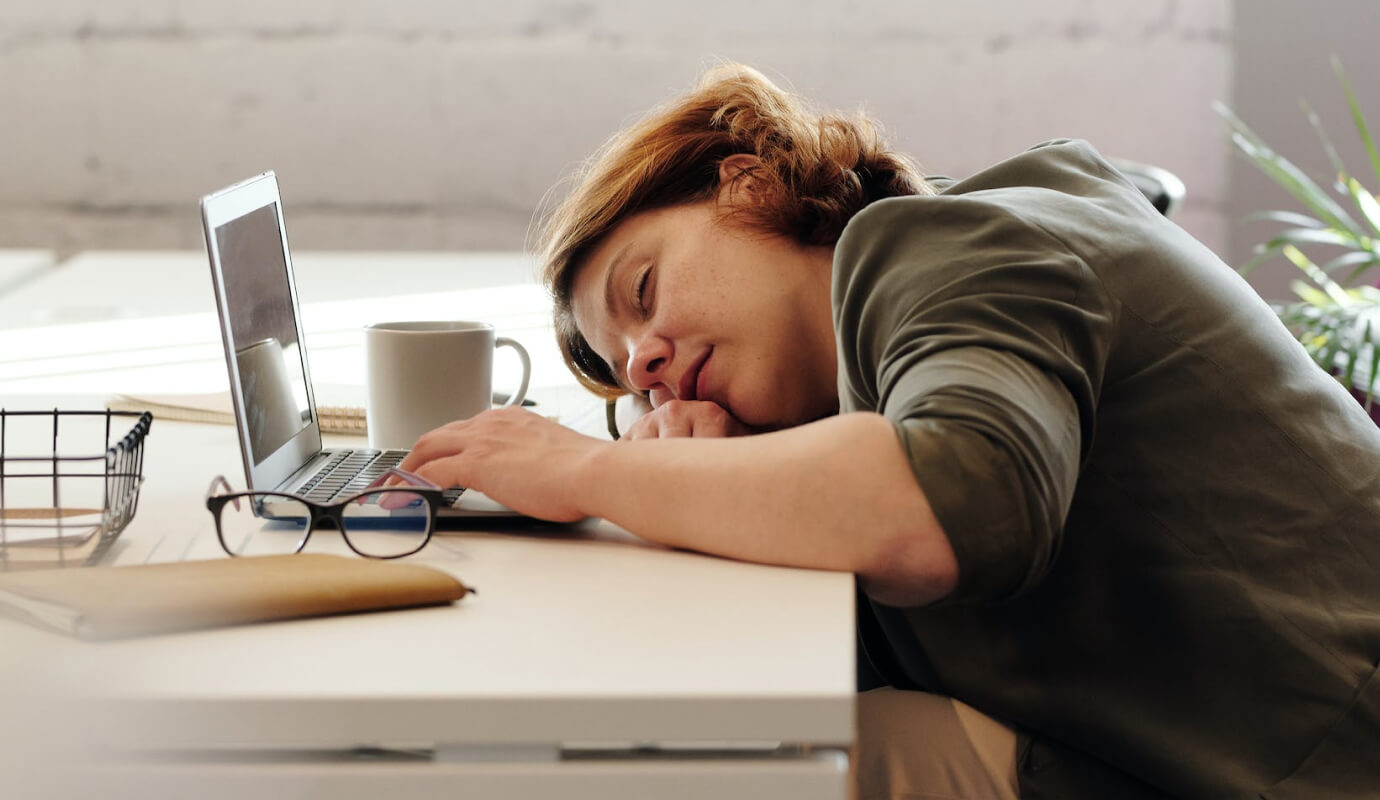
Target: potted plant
x=1337 y=315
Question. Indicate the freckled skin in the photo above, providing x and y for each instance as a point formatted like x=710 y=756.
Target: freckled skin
x=759 y=303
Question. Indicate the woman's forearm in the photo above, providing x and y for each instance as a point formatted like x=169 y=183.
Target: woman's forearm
x=835 y=494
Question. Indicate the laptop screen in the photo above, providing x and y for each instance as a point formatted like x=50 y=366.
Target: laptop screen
x=263 y=331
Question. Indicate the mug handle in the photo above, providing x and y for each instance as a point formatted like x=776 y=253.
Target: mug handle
x=516 y=397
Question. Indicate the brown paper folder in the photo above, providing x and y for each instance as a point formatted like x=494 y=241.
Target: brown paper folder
x=117 y=602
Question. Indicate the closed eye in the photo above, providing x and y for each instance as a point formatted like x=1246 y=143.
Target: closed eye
x=642 y=282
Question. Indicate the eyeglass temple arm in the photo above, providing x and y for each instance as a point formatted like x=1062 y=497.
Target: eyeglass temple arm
x=220 y=482
x=411 y=477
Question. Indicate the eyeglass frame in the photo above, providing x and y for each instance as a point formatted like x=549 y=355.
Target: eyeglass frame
x=334 y=511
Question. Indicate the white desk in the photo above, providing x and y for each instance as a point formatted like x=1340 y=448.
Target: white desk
x=19 y=266
x=581 y=644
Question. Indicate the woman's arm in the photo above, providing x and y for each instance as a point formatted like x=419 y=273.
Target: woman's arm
x=834 y=494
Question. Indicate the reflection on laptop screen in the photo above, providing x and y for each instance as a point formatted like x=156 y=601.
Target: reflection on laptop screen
x=262 y=330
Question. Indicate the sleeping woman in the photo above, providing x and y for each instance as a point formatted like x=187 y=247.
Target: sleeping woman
x=1115 y=535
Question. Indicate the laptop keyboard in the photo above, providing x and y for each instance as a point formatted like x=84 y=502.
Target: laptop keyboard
x=350 y=472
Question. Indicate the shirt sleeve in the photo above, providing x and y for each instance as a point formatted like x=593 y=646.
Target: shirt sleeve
x=982 y=338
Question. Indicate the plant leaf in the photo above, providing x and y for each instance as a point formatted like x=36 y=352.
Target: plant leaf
x=1374 y=374
x=1310 y=295
x=1340 y=337
x=1296 y=182
x=1364 y=258
x=1333 y=289
x=1286 y=217
x=1266 y=252
x=1282 y=171
x=1368 y=343
x=1358 y=117
x=1327 y=354
x=1362 y=266
x=1353 y=355
x=1365 y=201
x=1312 y=236
x=1256 y=260
x=1326 y=141
x=1323 y=356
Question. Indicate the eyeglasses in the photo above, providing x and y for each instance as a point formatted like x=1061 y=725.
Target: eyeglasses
x=389 y=522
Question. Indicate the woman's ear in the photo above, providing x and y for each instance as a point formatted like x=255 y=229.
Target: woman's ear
x=740 y=180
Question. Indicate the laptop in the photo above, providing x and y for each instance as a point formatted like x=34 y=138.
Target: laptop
x=270 y=383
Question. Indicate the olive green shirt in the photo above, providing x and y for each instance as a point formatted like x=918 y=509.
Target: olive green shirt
x=1166 y=517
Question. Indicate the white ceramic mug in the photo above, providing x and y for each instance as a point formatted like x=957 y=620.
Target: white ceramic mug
x=421 y=375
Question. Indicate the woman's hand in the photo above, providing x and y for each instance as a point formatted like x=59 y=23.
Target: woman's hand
x=694 y=418
x=520 y=459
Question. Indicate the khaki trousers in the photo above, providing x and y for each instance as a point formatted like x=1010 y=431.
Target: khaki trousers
x=920 y=746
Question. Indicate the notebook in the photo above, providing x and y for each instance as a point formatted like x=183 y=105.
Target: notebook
x=346 y=416
x=271 y=392
x=215 y=408
x=143 y=599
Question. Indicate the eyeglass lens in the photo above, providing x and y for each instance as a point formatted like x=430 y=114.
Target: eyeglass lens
x=387 y=523
x=383 y=524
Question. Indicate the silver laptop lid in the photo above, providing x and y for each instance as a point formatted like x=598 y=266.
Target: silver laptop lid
x=256 y=297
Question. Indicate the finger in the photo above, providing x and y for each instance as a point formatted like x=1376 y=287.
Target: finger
x=439 y=443
x=446 y=472
x=392 y=501
x=420 y=450
x=679 y=426
x=664 y=423
x=644 y=428
x=412 y=460
x=711 y=426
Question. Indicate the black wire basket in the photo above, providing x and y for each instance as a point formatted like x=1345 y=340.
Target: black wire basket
x=58 y=509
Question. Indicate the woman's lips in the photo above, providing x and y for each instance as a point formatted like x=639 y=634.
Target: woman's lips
x=690 y=388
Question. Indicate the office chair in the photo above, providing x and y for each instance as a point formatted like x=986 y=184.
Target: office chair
x=1161 y=187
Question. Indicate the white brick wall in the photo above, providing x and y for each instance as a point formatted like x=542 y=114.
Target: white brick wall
x=442 y=124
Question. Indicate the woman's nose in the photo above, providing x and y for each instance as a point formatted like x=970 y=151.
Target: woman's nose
x=647 y=362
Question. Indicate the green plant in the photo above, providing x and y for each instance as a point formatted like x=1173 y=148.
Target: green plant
x=1337 y=316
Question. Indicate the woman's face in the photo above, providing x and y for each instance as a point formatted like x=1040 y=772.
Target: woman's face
x=686 y=305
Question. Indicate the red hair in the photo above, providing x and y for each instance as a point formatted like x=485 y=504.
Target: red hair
x=815 y=171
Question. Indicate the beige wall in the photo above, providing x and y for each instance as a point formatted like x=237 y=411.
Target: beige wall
x=423 y=124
